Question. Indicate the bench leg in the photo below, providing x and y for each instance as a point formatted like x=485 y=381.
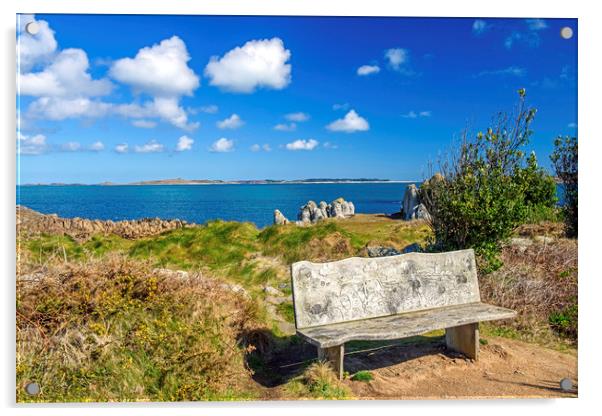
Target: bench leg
x=464 y=339
x=335 y=356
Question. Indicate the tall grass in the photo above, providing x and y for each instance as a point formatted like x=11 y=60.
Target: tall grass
x=113 y=330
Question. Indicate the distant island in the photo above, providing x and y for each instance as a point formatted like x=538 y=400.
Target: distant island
x=180 y=181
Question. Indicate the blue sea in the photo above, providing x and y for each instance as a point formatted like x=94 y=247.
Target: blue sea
x=200 y=203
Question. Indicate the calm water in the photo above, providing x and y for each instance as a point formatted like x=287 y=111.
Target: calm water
x=200 y=203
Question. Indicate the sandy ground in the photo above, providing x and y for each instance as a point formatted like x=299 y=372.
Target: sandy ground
x=505 y=368
x=426 y=370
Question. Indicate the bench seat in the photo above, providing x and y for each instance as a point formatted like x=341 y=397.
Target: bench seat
x=403 y=325
x=392 y=297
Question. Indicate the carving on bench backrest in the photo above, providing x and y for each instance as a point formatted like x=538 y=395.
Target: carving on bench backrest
x=361 y=288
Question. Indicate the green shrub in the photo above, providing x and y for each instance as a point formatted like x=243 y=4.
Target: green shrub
x=365 y=376
x=564 y=159
x=487 y=187
x=564 y=321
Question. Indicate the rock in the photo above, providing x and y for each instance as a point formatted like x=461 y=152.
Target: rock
x=420 y=213
x=378 y=251
x=31 y=222
x=339 y=208
x=410 y=202
x=311 y=212
x=272 y=291
x=279 y=218
x=411 y=207
x=277 y=300
x=412 y=248
x=178 y=274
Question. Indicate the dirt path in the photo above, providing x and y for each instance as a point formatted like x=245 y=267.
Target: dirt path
x=505 y=369
x=426 y=370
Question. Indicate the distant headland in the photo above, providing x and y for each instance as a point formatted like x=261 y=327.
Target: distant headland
x=180 y=181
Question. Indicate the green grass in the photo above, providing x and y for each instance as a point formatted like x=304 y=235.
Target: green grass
x=363 y=375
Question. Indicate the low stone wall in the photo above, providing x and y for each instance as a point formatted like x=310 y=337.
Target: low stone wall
x=32 y=222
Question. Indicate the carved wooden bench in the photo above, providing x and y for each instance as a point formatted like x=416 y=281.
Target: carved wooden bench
x=390 y=298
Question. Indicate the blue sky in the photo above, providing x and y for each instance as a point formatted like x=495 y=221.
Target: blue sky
x=126 y=98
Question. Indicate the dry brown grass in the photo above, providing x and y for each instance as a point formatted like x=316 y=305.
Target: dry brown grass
x=539 y=281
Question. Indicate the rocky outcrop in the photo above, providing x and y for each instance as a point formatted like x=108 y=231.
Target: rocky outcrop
x=411 y=207
x=279 y=218
x=30 y=222
x=311 y=212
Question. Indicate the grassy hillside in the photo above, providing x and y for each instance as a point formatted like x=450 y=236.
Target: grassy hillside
x=111 y=324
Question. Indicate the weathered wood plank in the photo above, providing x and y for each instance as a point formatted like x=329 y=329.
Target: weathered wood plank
x=364 y=288
x=404 y=325
x=335 y=356
x=464 y=339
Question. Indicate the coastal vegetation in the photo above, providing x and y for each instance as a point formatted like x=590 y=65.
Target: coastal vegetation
x=488 y=187
x=565 y=161
x=114 y=319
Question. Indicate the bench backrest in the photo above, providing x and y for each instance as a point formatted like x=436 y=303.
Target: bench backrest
x=360 y=288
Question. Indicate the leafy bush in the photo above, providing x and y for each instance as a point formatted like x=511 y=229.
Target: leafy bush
x=487 y=188
x=564 y=159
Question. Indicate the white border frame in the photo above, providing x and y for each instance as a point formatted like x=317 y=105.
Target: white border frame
x=590 y=290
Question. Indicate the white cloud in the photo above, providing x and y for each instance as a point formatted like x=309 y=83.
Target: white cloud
x=122 y=148
x=31 y=145
x=510 y=71
x=572 y=125
x=165 y=108
x=184 y=143
x=414 y=114
x=222 y=145
x=152 y=146
x=34 y=49
x=479 y=27
x=168 y=109
x=71 y=146
x=352 y=122
x=285 y=127
x=536 y=24
x=66 y=76
x=328 y=145
x=97 y=146
x=257 y=64
x=343 y=106
x=302 y=144
x=396 y=57
x=232 y=122
x=368 y=70
x=160 y=70
x=265 y=147
x=58 y=108
x=144 y=124
x=298 y=117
